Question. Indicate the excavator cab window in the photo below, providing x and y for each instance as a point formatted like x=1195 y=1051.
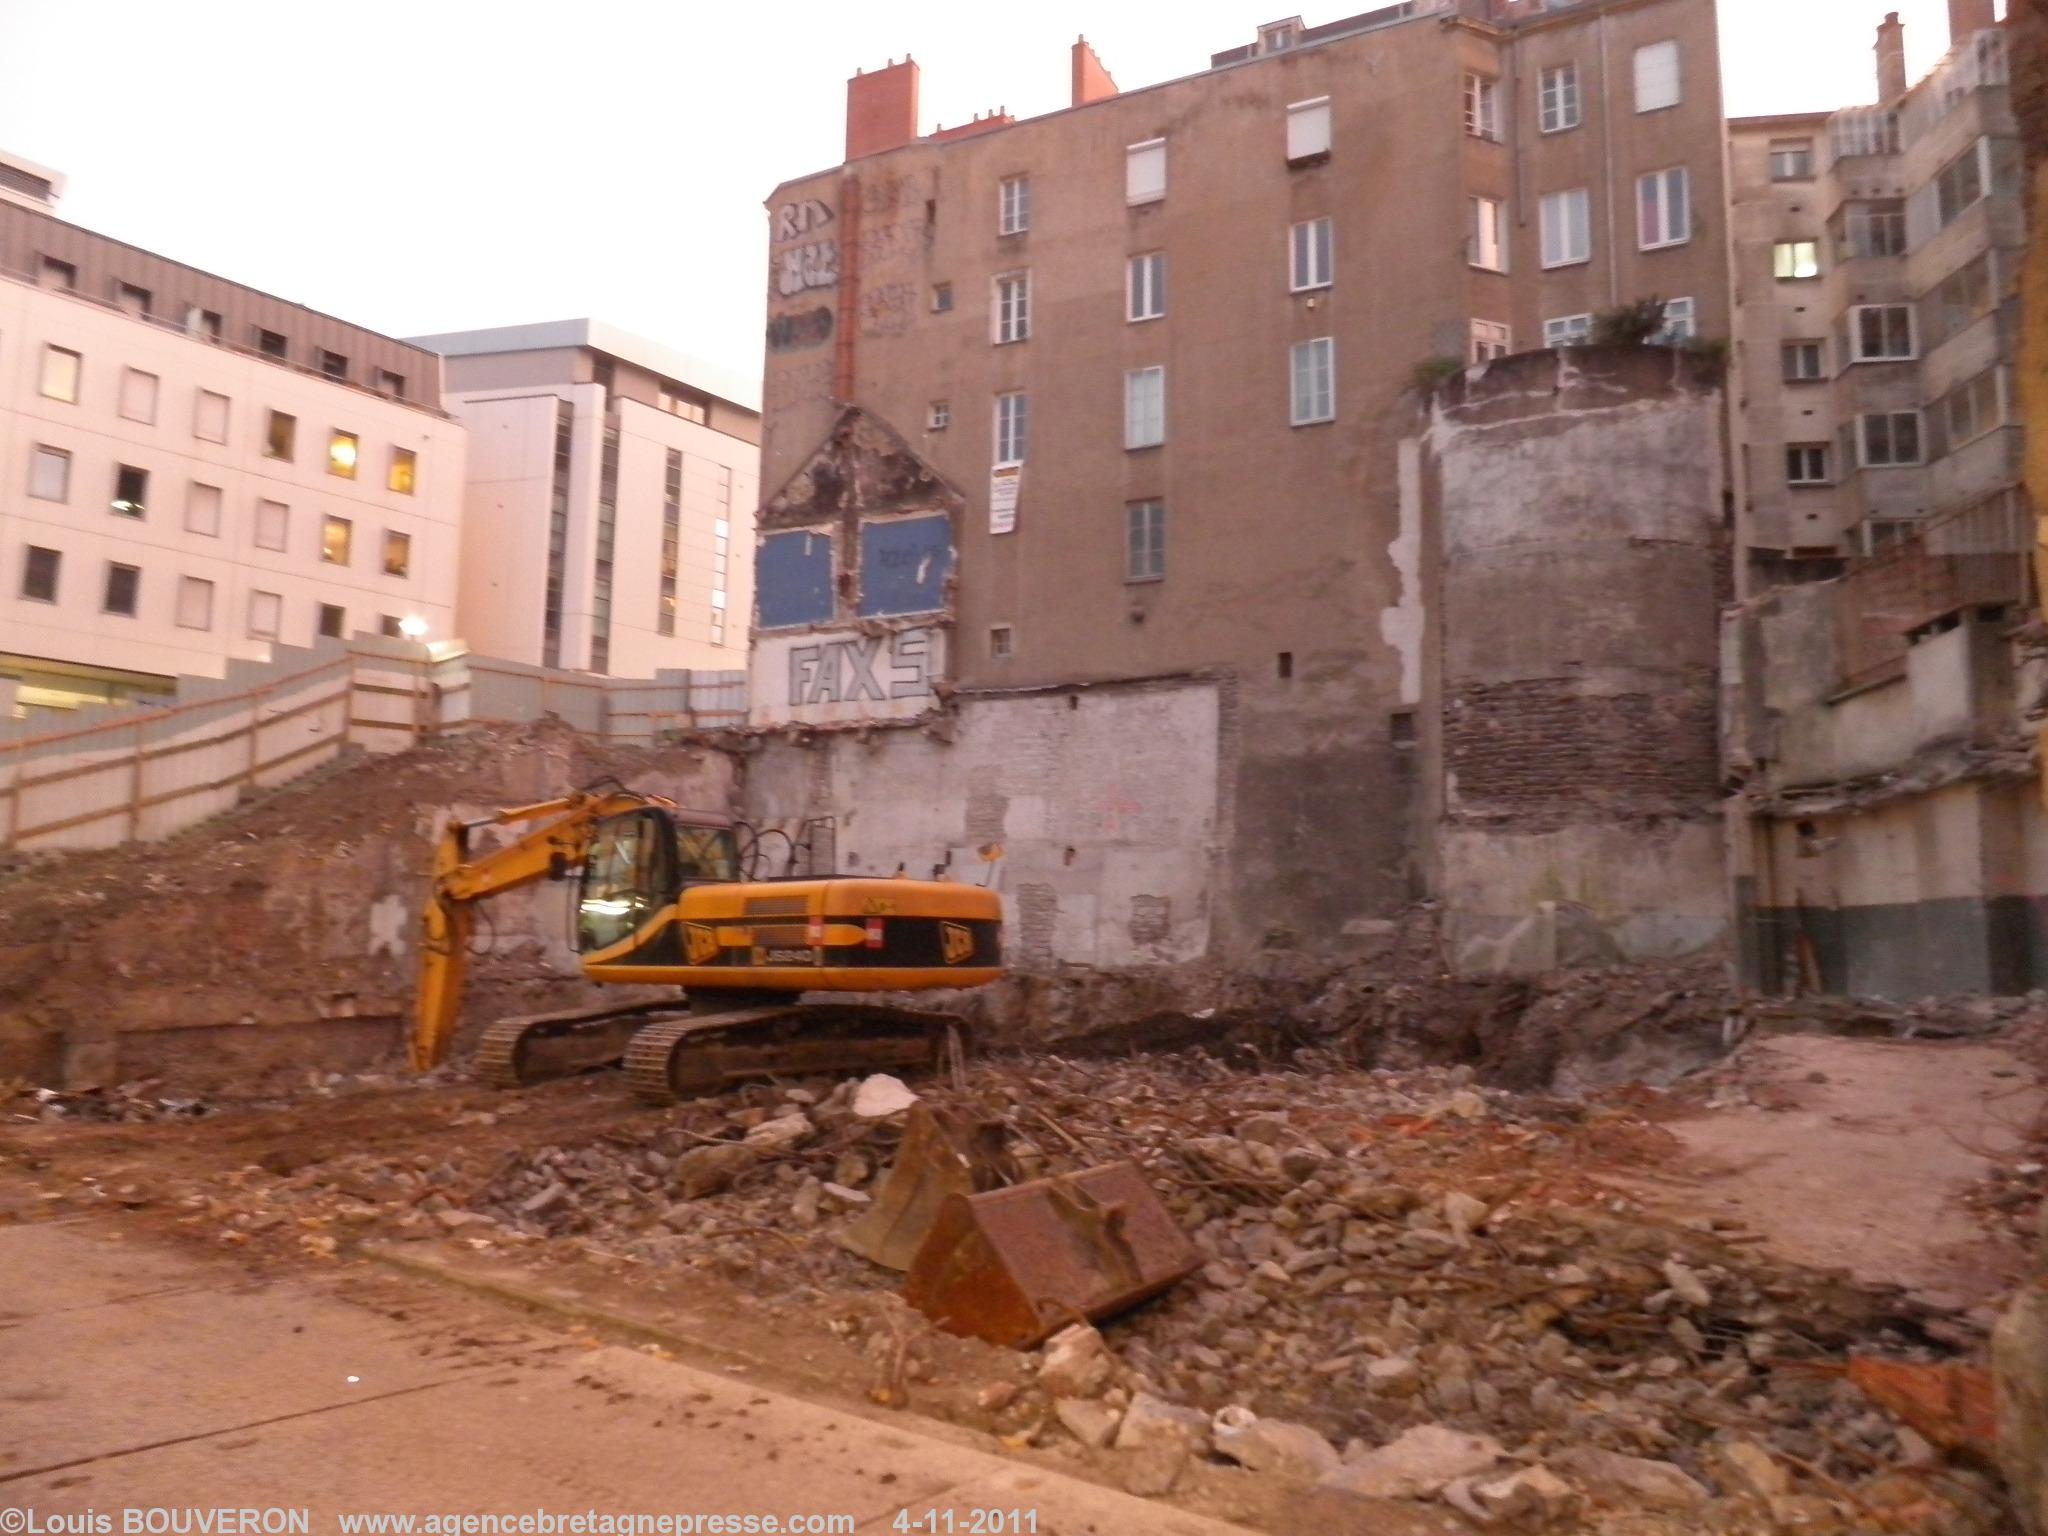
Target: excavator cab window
x=628 y=876
x=705 y=854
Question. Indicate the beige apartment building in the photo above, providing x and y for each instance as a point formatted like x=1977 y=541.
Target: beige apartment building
x=1130 y=390
x=1876 y=253
x=191 y=470
x=609 y=520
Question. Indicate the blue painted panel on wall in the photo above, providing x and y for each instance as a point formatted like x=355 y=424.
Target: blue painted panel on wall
x=904 y=565
x=793 y=579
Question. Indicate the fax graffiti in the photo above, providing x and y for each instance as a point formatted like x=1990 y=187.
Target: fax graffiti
x=859 y=667
x=794 y=219
x=807 y=266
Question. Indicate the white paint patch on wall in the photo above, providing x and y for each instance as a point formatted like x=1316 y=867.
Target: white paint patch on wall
x=1401 y=625
x=840 y=677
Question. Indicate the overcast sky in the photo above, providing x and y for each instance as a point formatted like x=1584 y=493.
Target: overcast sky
x=434 y=165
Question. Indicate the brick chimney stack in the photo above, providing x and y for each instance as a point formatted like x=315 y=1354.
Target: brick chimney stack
x=1967 y=16
x=881 y=109
x=1891 y=59
x=1091 y=80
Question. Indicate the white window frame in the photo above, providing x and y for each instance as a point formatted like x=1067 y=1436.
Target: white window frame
x=1145 y=407
x=1317 y=402
x=1308 y=130
x=1010 y=307
x=1140 y=184
x=1568 y=330
x=1863 y=459
x=1490 y=339
x=1785 y=263
x=1681 y=322
x=1798 y=346
x=1489 y=234
x=1856 y=352
x=1796 y=156
x=1145 y=553
x=1807 y=452
x=1312 y=250
x=1659 y=87
x=1557 y=226
x=1673 y=208
x=1002 y=642
x=938 y=416
x=1145 y=286
x=1013 y=205
x=1482 y=105
x=1558 y=105
x=1012 y=430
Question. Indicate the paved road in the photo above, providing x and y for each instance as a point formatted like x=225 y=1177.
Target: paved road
x=136 y=1376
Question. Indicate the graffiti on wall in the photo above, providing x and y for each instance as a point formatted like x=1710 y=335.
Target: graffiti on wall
x=796 y=219
x=792 y=333
x=840 y=677
x=804 y=267
x=886 y=309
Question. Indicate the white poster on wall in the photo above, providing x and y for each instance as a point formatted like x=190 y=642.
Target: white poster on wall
x=1003 y=482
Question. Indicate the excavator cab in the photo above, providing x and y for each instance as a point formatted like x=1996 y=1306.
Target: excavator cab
x=638 y=863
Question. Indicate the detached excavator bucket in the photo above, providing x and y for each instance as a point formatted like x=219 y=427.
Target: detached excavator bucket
x=936 y=1158
x=1013 y=1266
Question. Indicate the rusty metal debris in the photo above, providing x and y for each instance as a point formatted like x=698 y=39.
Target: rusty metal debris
x=939 y=1156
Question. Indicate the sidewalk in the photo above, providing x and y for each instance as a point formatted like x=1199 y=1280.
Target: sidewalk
x=134 y=1376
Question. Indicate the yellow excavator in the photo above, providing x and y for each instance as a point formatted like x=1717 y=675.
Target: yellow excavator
x=661 y=900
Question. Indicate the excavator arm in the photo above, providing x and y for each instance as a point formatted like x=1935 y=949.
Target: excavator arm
x=559 y=842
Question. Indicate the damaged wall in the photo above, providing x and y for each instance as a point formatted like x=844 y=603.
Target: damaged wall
x=1095 y=811
x=1574 y=504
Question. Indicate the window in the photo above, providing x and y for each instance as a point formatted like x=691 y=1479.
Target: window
x=210 y=417
x=138 y=395
x=393 y=627
x=1313 y=390
x=333 y=619
x=1806 y=463
x=202 y=323
x=1876 y=228
x=1959 y=184
x=60 y=374
x=1679 y=323
x=1145 y=408
x=1970 y=410
x=1013 y=307
x=273 y=524
x=671 y=541
x=397 y=553
x=266 y=612
x=1482 y=106
x=1864 y=131
x=131 y=491
x=1489 y=248
x=1663 y=209
x=1804 y=361
x=1013 y=422
x=1567 y=220
x=942 y=298
x=280 y=435
x=1490 y=339
x=202 y=509
x=1657 y=78
x=333 y=364
x=131 y=300
x=1145 y=286
x=269 y=343
x=39 y=574
x=1013 y=200
x=389 y=383
x=1308 y=131
x=1961 y=299
x=1000 y=642
x=1791 y=159
x=1310 y=263
x=1890 y=439
x=1568 y=331
x=1145 y=541
x=1795 y=258
x=49 y=474
x=403 y=471
x=195 y=603
x=335 y=533
x=1880 y=332
x=342 y=452
x=1145 y=172
x=59 y=274
x=124 y=582
x=1557 y=99
x=938 y=416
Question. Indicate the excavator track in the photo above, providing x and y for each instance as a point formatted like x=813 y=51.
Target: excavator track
x=680 y=1058
x=537 y=1047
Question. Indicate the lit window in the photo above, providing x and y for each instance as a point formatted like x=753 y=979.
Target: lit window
x=273 y=524
x=1567 y=218
x=1880 y=333
x=60 y=374
x=1663 y=208
x=1490 y=339
x=1803 y=361
x=1568 y=331
x=404 y=466
x=39 y=574
x=124 y=584
x=1890 y=439
x=335 y=533
x=1145 y=286
x=131 y=491
x=1310 y=267
x=1791 y=159
x=1013 y=198
x=1013 y=307
x=138 y=395
x=342 y=451
x=1145 y=408
x=1313 y=389
x=49 y=474
x=1558 y=98
x=280 y=434
x=1489 y=240
x=1806 y=463
x=1145 y=541
x=1795 y=258
x=1308 y=131
x=397 y=553
x=1482 y=106
x=1657 y=77
x=266 y=612
x=210 y=417
x=202 y=509
x=1013 y=418
x=195 y=603
x=1145 y=172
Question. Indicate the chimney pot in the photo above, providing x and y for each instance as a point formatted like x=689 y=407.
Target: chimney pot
x=1891 y=58
x=1968 y=16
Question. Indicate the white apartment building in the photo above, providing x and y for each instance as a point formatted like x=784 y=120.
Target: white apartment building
x=612 y=482
x=191 y=470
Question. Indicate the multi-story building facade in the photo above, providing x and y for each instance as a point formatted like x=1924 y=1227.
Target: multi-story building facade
x=191 y=470
x=1129 y=390
x=609 y=522
x=1876 y=256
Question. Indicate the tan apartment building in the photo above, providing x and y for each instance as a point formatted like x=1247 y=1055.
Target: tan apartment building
x=1876 y=252
x=1122 y=391
x=192 y=470
x=609 y=519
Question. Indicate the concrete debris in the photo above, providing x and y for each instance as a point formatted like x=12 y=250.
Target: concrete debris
x=1091 y=1422
x=882 y=1095
x=1151 y=1422
x=1747 y=1468
x=1419 y=1463
x=1076 y=1363
x=1286 y=1450
x=1686 y=1286
x=1634 y=1479
x=780 y=1133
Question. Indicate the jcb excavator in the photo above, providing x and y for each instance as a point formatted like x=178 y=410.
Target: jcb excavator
x=661 y=900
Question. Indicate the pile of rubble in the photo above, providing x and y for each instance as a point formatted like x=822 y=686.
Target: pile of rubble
x=136 y=1103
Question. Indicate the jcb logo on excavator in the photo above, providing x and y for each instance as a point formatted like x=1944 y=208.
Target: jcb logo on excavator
x=956 y=942
x=702 y=943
